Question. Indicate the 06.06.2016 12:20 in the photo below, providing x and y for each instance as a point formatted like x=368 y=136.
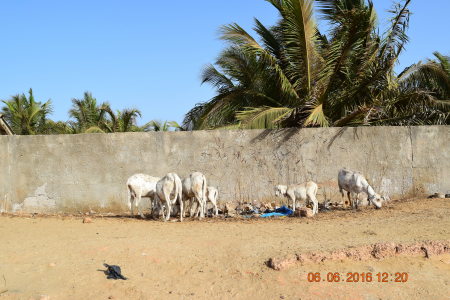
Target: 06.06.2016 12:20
x=382 y=277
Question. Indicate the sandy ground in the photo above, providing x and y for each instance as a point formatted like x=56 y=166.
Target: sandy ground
x=62 y=258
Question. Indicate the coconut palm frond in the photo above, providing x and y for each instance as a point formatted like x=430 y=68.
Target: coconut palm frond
x=396 y=37
x=127 y=120
x=300 y=36
x=316 y=117
x=262 y=117
x=94 y=129
x=176 y=126
x=238 y=36
x=212 y=76
x=269 y=39
x=444 y=61
x=357 y=117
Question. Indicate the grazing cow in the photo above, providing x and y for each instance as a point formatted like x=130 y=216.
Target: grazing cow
x=138 y=186
x=194 y=187
x=356 y=183
x=212 y=193
x=305 y=192
x=168 y=186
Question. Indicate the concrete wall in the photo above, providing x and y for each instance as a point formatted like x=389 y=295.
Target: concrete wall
x=68 y=173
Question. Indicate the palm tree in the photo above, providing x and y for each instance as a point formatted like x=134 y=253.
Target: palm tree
x=155 y=125
x=422 y=96
x=296 y=76
x=175 y=126
x=25 y=115
x=87 y=115
x=57 y=127
x=122 y=121
x=90 y=117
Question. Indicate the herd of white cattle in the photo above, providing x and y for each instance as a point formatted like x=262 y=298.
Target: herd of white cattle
x=170 y=193
x=167 y=192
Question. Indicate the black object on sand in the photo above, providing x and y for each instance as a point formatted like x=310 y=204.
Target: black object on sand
x=114 y=272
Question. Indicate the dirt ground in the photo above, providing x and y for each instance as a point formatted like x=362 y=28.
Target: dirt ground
x=62 y=258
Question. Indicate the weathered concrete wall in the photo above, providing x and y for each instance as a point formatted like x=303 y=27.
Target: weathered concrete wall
x=80 y=172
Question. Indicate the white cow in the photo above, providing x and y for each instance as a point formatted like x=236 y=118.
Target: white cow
x=194 y=188
x=138 y=186
x=169 y=186
x=305 y=192
x=356 y=183
x=212 y=194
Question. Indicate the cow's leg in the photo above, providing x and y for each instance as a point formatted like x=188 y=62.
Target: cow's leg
x=155 y=207
x=354 y=200
x=291 y=196
x=202 y=207
x=131 y=205
x=196 y=208
x=186 y=208
x=137 y=202
x=314 y=203
x=216 y=209
x=350 y=201
x=168 y=207
x=341 y=190
x=200 y=210
x=160 y=207
x=357 y=200
x=181 y=210
x=193 y=208
x=206 y=208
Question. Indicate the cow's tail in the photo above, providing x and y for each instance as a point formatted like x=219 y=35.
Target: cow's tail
x=176 y=188
x=179 y=195
x=179 y=189
x=216 y=194
x=314 y=192
x=204 y=187
x=129 y=195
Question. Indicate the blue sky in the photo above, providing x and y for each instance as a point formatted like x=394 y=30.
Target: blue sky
x=147 y=54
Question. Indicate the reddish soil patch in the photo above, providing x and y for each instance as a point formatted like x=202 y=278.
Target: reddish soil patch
x=376 y=251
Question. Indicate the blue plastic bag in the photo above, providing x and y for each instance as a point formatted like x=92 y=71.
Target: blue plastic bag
x=279 y=212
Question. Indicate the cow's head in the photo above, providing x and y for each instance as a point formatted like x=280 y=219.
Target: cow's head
x=280 y=190
x=377 y=200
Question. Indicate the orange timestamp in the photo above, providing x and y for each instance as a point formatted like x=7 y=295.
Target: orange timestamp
x=354 y=277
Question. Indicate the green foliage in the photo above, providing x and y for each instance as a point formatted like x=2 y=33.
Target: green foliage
x=155 y=125
x=90 y=117
x=121 y=121
x=295 y=76
x=25 y=115
x=262 y=117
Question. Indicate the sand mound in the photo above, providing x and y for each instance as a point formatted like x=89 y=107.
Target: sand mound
x=375 y=251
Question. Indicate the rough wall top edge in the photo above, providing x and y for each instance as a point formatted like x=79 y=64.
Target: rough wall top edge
x=254 y=131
